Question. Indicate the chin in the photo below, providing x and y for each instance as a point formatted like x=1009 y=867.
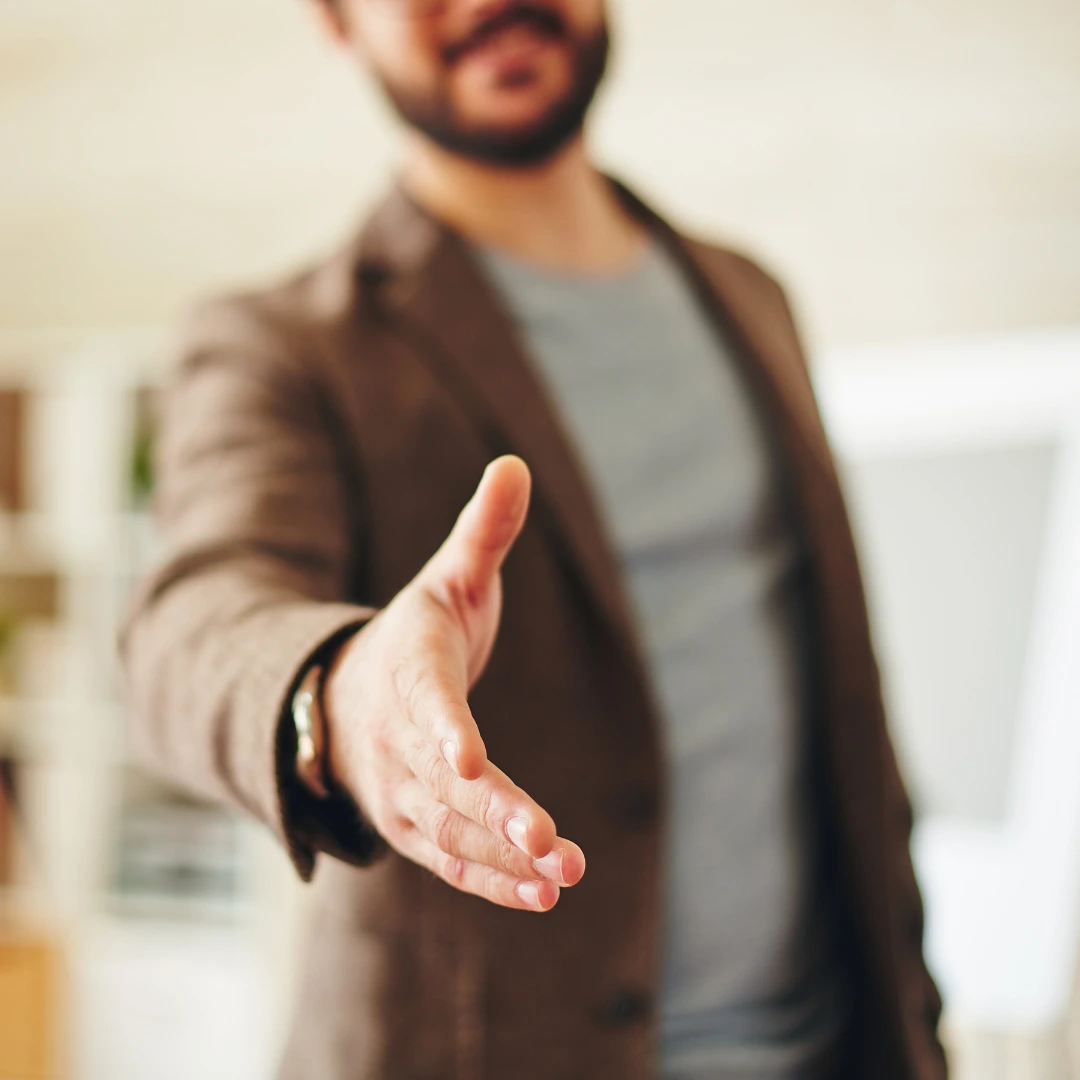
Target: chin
x=508 y=122
x=510 y=108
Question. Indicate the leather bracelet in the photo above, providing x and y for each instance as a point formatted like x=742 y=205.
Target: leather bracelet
x=310 y=722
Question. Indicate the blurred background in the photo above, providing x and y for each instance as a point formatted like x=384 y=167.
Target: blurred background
x=911 y=170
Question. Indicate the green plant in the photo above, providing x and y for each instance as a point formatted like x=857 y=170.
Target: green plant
x=144 y=405
x=142 y=467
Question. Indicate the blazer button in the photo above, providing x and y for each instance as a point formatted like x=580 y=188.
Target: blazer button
x=624 y=1008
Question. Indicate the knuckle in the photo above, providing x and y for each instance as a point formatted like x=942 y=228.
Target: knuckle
x=431 y=772
x=485 y=804
x=443 y=827
x=498 y=888
x=455 y=872
x=509 y=859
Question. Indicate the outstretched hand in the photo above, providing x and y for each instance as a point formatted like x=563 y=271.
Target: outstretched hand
x=402 y=739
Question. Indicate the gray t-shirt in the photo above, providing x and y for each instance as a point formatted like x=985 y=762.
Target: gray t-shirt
x=688 y=483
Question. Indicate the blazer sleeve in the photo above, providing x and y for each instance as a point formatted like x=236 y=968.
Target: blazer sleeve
x=253 y=504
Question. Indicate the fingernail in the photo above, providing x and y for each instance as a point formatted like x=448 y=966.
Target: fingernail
x=550 y=866
x=449 y=750
x=529 y=893
x=517 y=829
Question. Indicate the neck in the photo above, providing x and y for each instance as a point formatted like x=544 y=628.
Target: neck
x=561 y=214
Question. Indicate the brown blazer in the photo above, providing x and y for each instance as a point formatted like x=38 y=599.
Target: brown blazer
x=318 y=443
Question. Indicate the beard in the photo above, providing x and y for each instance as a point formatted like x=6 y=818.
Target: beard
x=434 y=115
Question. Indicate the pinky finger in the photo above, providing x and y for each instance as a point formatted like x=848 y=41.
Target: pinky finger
x=506 y=890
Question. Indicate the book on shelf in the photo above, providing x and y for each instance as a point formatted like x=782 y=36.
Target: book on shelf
x=12 y=415
x=173 y=850
x=8 y=820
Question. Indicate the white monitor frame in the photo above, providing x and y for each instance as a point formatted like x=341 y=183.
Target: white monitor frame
x=1003 y=898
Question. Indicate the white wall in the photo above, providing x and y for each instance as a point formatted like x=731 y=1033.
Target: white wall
x=952 y=546
x=912 y=167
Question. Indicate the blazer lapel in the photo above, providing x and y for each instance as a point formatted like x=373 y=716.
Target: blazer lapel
x=772 y=354
x=434 y=292
x=430 y=286
x=768 y=350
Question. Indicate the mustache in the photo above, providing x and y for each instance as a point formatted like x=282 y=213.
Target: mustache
x=536 y=16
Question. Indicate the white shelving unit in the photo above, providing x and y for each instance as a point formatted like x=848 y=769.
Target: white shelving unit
x=195 y=963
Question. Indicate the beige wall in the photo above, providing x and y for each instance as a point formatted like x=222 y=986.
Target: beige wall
x=911 y=166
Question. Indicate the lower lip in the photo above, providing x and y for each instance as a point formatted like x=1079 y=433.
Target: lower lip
x=510 y=52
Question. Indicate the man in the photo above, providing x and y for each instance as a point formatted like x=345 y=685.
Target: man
x=666 y=654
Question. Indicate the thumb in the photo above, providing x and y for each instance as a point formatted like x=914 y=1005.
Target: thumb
x=485 y=531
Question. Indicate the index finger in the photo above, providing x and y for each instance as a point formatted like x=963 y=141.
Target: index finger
x=492 y=799
x=434 y=699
